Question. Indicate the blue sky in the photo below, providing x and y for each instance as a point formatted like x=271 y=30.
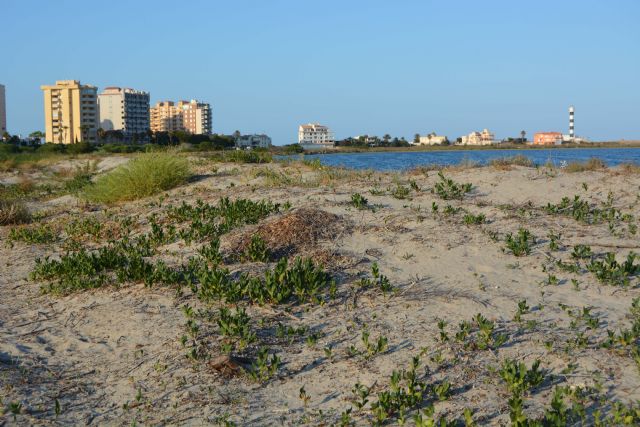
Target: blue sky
x=360 y=67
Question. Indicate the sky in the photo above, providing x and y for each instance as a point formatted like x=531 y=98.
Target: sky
x=358 y=66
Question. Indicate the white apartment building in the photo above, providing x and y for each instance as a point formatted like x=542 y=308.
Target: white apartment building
x=253 y=141
x=432 y=139
x=315 y=133
x=478 y=138
x=3 y=112
x=124 y=109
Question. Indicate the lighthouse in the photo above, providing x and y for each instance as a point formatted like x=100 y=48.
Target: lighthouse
x=572 y=134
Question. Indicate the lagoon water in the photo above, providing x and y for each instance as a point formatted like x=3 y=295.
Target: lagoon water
x=389 y=161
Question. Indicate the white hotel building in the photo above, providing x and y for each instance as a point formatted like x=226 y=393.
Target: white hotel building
x=314 y=134
x=124 y=109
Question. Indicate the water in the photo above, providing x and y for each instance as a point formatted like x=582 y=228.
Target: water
x=390 y=161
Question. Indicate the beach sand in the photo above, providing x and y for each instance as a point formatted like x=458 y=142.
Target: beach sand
x=113 y=355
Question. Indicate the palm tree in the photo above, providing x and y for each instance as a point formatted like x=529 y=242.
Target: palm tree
x=522 y=134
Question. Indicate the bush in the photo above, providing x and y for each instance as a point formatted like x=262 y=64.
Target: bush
x=243 y=156
x=13 y=212
x=593 y=164
x=79 y=148
x=518 y=160
x=122 y=148
x=143 y=176
x=51 y=148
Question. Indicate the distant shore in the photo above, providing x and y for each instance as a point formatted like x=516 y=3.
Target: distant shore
x=504 y=146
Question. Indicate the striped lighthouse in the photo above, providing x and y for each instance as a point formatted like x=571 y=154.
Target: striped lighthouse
x=571 y=123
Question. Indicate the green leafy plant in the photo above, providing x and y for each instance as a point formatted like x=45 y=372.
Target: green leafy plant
x=442 y=390
x=521 y=243
x=609 y=271
x=470 y=218
x=264 y=367
x=519 y=378
x=379 y=281
x=448 y=189
x=236 y=327
x=581 y=252
x=40 y=234
x=257 y=251
x=359 y=201
x=401 y=192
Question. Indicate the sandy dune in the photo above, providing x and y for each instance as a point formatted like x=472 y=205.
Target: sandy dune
x=114 y=355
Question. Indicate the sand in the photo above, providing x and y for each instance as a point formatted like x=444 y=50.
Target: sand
x=112 y=356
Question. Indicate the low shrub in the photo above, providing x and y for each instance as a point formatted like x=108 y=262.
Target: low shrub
x=143 y=176
x=521 y=243
x=242 y=156
x=518 y=160
x=359 y=201
x=448 y=189
x=593 y=164
x=34 y=235
x=13 y=212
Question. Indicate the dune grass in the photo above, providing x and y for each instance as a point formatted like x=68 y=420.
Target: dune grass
x=143 y=176
x=506 y=162
x=593 y=164
x=13 y=212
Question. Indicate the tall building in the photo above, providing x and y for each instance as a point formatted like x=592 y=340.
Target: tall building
x=70 y=112
x=190 y=116
x=3 y=112
x=315 y=133
x=124 y=109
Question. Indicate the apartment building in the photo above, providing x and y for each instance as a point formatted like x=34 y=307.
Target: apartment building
x=3 y=111
x=253 y=141
x=70 y=112
x=547 y=138
x=189 y=116
x=478 y=138
x=124 y=109
x=432 y=139
x=315 y=133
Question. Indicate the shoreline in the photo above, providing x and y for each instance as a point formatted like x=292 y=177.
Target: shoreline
x=419 y=149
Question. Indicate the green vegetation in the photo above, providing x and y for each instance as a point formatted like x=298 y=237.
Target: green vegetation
x=242 y=156
x=470 y=218
x=448 y=189
x=39 y=234
x=143 y=176
x=582 y=211
x=521 y=243
x=257 y=251
x=517 y=160
x=359 y=201
x=301 y=282
x=609 y=271
x=519 y=378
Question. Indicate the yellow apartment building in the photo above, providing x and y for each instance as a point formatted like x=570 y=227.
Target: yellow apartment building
x=70 y=112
